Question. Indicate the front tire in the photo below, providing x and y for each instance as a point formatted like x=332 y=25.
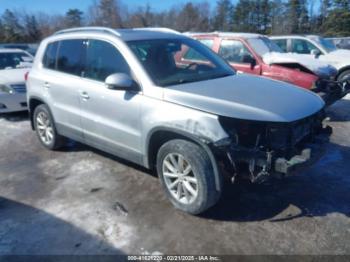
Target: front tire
x=45 y=128
x=187 y=176
x=344 y=75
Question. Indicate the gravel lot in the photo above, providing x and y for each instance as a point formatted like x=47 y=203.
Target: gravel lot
x=82 y=201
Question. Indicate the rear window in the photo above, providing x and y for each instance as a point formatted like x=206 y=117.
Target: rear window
x=70 y=58
x=50 y=55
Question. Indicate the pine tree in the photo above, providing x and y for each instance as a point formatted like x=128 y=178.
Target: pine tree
x=298 y=19
x=337 y=23
x=223 y=17
x=74 y=18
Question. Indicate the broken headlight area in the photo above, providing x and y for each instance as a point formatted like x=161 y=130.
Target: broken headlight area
x=331 y=90
x=257 y=150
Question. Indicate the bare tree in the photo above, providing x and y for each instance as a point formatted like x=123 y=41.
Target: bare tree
x=106 y=13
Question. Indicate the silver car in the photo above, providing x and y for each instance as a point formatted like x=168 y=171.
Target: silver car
x=133 y=93
x=14 y=64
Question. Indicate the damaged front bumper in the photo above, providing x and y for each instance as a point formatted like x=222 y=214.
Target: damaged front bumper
x=331 y=90
x=269 y=157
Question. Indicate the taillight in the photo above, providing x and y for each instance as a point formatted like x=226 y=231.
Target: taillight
x=26 y=76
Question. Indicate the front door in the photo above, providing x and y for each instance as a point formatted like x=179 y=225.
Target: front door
x=239 y=56
x=110 y=118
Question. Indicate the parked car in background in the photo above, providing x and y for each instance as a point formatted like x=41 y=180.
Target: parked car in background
x=126 y=93
x=341 y=42
x=14 y=64
x=318 y=47
x=258 y=55
x=30 y=48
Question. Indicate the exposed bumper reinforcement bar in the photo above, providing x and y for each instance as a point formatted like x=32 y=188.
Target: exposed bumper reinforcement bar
x=285 y=166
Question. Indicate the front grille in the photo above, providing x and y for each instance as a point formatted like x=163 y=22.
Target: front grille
x=19 y=88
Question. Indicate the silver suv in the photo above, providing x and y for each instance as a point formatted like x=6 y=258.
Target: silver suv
x=135 y=94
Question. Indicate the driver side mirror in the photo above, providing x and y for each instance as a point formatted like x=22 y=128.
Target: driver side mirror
x=121 y=81
x=247 y=59
x=316 y=53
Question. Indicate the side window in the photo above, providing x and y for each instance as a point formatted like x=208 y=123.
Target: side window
x=234 y=51
x=49 y=60
x=70 y=58
x=301 y=46
x=191 y=54
x=102 y=60
x=282 y=43
x=208 y=42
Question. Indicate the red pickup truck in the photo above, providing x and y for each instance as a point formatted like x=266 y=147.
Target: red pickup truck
x=258 y=55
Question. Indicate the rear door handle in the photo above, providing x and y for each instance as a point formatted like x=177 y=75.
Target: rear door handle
x=84 y=95
x=47 y=85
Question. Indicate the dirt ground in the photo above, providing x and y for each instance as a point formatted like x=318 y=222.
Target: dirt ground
x=82 y=201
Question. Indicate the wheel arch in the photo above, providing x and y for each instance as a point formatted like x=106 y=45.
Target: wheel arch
x=33 y=103
x=342 y=70
x=160 y=135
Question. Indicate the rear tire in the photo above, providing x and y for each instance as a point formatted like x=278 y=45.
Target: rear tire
x=187 y=176
x=45 y=128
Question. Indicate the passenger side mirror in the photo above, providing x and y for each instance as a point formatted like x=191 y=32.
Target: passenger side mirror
x=247 y=59
x=316 y=53
x=121 y=81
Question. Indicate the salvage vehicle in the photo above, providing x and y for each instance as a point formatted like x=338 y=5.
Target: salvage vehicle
x=340 y=42
x=123 y=92
x=256 y=54
x=14 y=64
x=30 y=48
x=319 y=48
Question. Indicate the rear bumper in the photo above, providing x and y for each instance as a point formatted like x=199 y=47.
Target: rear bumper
x=13 y=102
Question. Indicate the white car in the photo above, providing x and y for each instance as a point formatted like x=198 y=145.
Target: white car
x=14 y=64
x=316 y=46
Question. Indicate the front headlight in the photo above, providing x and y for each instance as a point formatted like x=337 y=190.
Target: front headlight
x=6 y=89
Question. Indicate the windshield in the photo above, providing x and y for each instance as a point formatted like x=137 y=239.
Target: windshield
x=14 y=60
x=176 y=61
x=328 y=45
x=263 y=45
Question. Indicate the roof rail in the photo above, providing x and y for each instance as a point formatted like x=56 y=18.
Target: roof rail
x=88 y=28
x=158 y=29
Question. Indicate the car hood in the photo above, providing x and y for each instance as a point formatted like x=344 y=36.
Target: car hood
x=320 y=68
x=338 y=56
x=10 y=76
x=247 y=97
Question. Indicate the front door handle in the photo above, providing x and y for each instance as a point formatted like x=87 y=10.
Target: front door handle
x=84 y=95
x=47 y=85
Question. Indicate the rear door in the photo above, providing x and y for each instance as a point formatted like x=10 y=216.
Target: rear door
x=238 y=55
x=110 y=118
x=63 y=64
